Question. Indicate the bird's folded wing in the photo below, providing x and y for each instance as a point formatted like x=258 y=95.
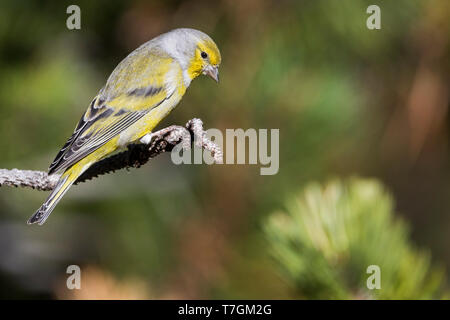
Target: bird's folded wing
x=93 y=138
x=134 y=88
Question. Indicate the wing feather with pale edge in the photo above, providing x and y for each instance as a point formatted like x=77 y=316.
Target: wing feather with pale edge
x=104 y=124
x=105 y=118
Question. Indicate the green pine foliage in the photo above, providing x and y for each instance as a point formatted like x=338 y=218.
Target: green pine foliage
x=328 y=235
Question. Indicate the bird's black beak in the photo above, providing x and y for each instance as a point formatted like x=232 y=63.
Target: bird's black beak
x=212 y=72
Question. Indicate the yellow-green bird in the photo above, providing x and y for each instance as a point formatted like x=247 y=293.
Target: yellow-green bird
x=139 y=93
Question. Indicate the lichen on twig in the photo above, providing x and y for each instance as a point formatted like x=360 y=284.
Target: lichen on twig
x=135 y=156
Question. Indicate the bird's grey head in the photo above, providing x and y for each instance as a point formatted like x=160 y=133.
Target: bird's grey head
x=181 y=43
x=194 y=50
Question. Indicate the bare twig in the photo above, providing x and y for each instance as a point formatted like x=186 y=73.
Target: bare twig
x=27 y=178
x=135 y=156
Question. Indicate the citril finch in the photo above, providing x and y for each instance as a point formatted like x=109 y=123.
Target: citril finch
x=138 y=94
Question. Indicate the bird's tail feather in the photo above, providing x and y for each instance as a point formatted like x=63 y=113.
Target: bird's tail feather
x=63 y=185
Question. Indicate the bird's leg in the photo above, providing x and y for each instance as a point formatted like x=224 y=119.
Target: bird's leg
x=147 y=138
x=160 y=134
x=193 y=132
x=172 y=134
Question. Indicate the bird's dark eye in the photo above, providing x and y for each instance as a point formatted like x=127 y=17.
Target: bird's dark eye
x=204 y=55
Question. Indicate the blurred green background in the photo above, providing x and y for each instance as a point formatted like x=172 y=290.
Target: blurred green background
x=348 y=102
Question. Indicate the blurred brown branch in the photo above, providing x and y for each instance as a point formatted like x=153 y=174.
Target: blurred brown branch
x=137 y=154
